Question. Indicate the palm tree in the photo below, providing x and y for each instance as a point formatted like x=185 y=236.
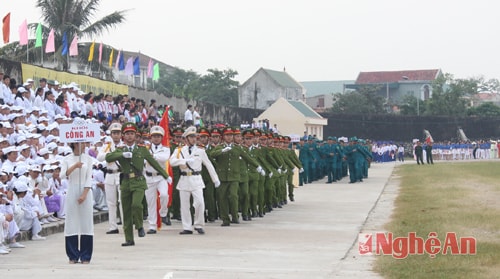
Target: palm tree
x=73 y=17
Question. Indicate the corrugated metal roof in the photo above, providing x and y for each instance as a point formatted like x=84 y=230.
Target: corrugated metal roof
x=304 y=109
x=396 y=76
x=282 y=78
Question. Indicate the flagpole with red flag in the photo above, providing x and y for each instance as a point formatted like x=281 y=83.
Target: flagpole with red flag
x=165 y=142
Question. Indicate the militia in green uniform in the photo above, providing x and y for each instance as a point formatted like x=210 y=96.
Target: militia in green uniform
x=132 y=182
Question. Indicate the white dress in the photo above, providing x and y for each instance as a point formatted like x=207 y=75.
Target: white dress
x=79 y=217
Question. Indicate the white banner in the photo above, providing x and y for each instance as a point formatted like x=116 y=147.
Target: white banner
x=79 y=131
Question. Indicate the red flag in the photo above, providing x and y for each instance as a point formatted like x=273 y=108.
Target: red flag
x=168 y=167
x=6 y=28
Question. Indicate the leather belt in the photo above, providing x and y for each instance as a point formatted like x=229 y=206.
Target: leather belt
x=189 y=173
x=152 y=173
x=112 y=171
x=130 y=175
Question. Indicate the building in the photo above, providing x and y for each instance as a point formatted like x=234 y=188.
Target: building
x=294 y=118
x=320 y=95
x=266 y=86
x=395 y=85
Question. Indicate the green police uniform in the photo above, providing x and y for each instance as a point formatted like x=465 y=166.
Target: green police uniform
x=132 y=183
x=228 y=160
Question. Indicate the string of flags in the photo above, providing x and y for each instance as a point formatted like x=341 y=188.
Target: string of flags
x=131 y=66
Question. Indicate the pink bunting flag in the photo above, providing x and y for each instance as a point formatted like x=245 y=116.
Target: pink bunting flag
x=23 y=33
x=51 y=46
x=73 y=48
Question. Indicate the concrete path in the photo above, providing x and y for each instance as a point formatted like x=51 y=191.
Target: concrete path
x=313 y=237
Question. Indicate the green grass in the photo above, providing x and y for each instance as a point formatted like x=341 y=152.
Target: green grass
x=447 y=197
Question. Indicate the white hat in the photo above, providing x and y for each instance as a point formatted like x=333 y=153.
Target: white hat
x=20 y=139
x=20 y=186
x=7 y=169
x=21 y=169
x=115 y=127
x=50 y=138
x=48 y=167
x=157 y=130
x=21 y=90
x=42 y=118
x=29 y=80
x=36 y=168
x=9 y=149
x=2 y=139
x=42 y=127
x=59 y=116
x=22 y=147
x=189 y=131
x=51 y=146
x=43 y=151
x=6 y=125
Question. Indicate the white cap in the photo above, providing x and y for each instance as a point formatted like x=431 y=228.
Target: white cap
x=36 y=168
x=157 y=130
x=51 y=146
x=9 y=149
x=21 y=89
x=20 y=186
x=43 y=151
x=29 y=80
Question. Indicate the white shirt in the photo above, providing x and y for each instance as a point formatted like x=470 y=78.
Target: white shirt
x=188 y=115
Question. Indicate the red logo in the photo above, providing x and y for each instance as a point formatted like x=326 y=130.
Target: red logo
x=402 y=247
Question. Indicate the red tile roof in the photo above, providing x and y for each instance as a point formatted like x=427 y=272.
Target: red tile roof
x=396 y=76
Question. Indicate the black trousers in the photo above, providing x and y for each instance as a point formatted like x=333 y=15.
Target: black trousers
x=82 y=252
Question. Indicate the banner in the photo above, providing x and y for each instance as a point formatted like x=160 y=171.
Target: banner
x=79 y=131
x=86 y=83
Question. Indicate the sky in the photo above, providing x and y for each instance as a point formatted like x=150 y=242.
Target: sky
x=313 y=40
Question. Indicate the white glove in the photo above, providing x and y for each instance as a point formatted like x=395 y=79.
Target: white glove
x=226 y=149
x=259 y=169
x=169 y=180
x=263 y=173
x=301 y=170
x=127 y=155
x=270 y=174
x=285 y=171
x=217 y=183
x=279 y=171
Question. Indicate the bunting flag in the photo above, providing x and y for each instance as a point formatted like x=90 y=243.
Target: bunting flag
x=121 y=65
x=117 y=64
x=150 y=68
x=64 y=50
x=38 y=42
x=91 y=52
x=100 y=53
x=6 y=29
x=50 y=46
x=156 y=71
x=73 y=48
x=23 y=33
x=164 y=123
x=129 y=68
x=137 y=69
x=110 y=62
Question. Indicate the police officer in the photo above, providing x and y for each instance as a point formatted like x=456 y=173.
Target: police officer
x=156 y=183
x=189 y=158
x=112 y=179
x=132 y=182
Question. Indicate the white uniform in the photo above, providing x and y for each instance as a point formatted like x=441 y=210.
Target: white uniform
x=79 y=217
x=192 y=185
x=157 y=185
x=111 y=185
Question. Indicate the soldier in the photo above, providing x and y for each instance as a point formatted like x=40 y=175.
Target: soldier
x=157 y=185
x=175 y=207
x=294 y=160
x=132 y=182
x=259 y=153
x=112 y=179
x=209 y=190
x=189 y=158
x=228 y=161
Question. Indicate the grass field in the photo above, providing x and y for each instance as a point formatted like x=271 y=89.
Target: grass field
x=447 y=197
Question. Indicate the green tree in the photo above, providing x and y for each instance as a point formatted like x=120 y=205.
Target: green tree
x=362 y=101
x=449 y=95
x=485 y=109
x=219 y=87
x=179 y=83
x=75 y=17
x=410 y=105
